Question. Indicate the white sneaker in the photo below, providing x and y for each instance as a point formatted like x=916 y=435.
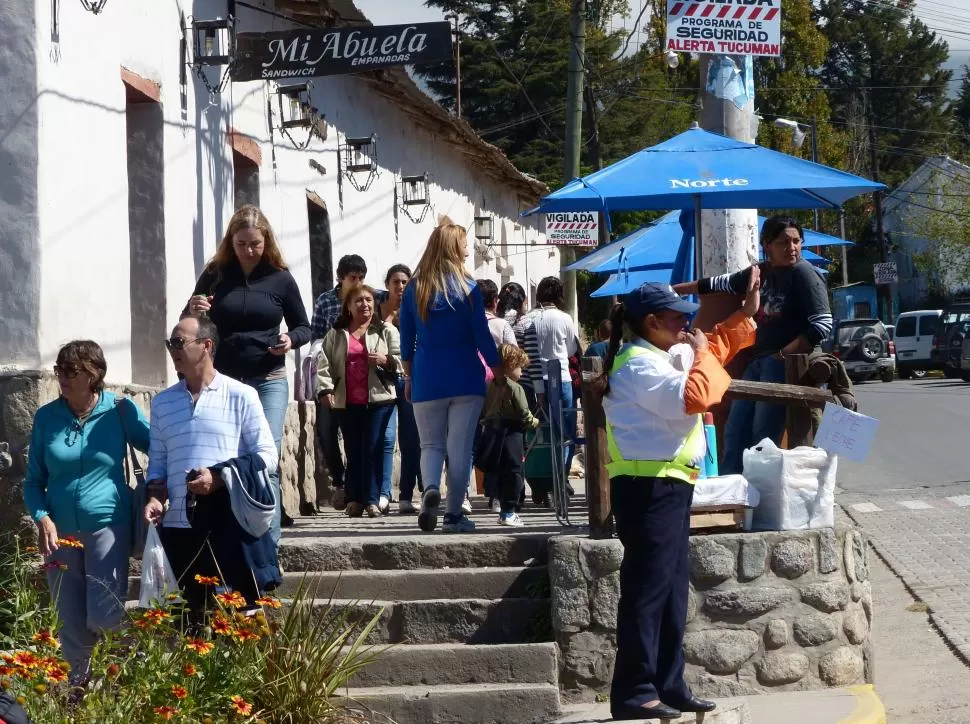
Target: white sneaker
x=466 y=506
x=383 y=504
x=496 y=506
x=406 y=507
x=510 y=519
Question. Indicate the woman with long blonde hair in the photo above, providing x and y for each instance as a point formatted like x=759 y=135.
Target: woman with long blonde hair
x=444 y=338
x=247 y=291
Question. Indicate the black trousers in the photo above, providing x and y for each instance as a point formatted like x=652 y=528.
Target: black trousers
x=327 y=428
x=653 y=523
x=192 y=551
x=511 y=484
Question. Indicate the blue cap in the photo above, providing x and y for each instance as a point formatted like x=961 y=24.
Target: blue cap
x=652 y=297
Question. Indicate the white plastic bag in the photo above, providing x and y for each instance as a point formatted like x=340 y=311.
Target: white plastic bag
x=797 y=487
x=157 y=577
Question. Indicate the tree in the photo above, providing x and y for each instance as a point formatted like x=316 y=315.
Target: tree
x=884 y=69
x=515 y=56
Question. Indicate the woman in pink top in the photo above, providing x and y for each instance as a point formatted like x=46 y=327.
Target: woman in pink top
x=356 y=374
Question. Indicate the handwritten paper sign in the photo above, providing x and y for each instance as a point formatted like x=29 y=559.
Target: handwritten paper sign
x=846 y=433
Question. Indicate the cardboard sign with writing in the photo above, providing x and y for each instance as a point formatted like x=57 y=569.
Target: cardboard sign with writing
x=846 y=433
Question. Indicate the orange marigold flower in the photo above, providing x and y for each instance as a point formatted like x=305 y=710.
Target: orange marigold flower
x=144 y=624
x=165 y=712
x=69 y=541
x=179 y=692
x=231 y=599
x=56 y=676
x=114 y=670
x=199 y=646
x=246 y=635
x=241 y=705
x=189 y=670
x=269 y=602
x=222 y=626
x=26 y=659
x=30 y=549
x=157 y=615
x=45 y=637
x=207 y=580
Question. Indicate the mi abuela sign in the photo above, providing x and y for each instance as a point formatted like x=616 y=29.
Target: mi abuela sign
x=332 y=51
x=724 y=27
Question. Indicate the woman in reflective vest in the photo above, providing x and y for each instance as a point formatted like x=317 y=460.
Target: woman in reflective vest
x=656 y=388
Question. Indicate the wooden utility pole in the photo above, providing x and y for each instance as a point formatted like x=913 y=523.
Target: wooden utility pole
x=574 y=130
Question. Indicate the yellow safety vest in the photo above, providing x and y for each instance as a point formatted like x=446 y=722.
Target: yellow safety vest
x=680 y=467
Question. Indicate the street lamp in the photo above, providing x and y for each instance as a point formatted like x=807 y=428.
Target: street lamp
x=798 y=138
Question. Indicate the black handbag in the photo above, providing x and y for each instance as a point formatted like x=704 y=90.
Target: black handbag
x=489 y=444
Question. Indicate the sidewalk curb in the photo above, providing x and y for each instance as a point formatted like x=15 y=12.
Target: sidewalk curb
x=868 y=708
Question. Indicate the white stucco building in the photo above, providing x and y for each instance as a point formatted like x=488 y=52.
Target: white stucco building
x=119 y=171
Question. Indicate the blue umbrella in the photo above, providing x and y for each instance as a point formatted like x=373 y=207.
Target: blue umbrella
x=698 y=169
x=655 y=246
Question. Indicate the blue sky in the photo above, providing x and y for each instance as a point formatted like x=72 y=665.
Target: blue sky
x=952 y=17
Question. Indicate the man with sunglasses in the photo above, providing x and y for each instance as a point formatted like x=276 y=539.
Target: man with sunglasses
x=197 y=424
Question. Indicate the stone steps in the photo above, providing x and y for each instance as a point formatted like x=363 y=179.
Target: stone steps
x=462 y=664
x=478 y=704
x=411 y=585
x=467 y=616
x=462 y=621
x=410 y=552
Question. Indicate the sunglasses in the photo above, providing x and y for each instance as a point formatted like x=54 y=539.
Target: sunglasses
x=68 y=372
x=176 y=344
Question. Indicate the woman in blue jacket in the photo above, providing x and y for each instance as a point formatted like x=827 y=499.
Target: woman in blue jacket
x=77 y=494
x=443 y=332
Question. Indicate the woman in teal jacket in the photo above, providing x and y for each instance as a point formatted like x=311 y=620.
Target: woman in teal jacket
x=76 y=492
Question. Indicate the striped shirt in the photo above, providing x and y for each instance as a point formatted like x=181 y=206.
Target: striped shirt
x=226 y=422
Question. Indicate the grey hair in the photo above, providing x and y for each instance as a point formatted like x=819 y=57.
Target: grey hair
x=207 y=329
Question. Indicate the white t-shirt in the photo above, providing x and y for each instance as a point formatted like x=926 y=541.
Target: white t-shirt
x=501 y=330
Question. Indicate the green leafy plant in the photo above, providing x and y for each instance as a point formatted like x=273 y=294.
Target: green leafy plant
x=283 y=664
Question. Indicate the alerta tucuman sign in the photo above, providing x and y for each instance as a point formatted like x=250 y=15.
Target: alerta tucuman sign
x=724 y=27
x=332 y=51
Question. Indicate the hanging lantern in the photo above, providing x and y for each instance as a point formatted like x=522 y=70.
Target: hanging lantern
x=414 y=190
x=483 y=228
x=214 y=45
x=297 y=111
x=361 y=154
x=94 y=6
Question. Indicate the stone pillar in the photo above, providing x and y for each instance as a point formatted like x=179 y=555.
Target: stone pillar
x=768 y=612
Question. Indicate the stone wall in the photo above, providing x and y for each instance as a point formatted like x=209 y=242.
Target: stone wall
x=767 y=612
x=21 y=393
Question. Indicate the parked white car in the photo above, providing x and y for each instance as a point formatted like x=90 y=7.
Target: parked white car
x=914 y=342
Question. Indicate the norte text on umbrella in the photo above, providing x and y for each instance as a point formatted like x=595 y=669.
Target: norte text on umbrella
x=706 y=183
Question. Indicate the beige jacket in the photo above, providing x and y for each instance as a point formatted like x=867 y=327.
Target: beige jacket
x=332 y=363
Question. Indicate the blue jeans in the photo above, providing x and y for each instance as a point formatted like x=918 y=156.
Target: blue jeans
x=274 y=396
x=410 y=444
x=447 y=428
x=364 y=428
x=90 y=592
x=387 y=460
x=751 y=422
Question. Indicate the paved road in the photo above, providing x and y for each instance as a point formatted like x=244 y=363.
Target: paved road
x=922 y=440
x=912 y=496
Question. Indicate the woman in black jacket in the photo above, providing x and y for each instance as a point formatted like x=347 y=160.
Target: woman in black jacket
x=247 y=291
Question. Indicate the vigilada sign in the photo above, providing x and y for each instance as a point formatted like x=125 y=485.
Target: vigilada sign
x=724 y=27
x=332 y=51
x=574 y=228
